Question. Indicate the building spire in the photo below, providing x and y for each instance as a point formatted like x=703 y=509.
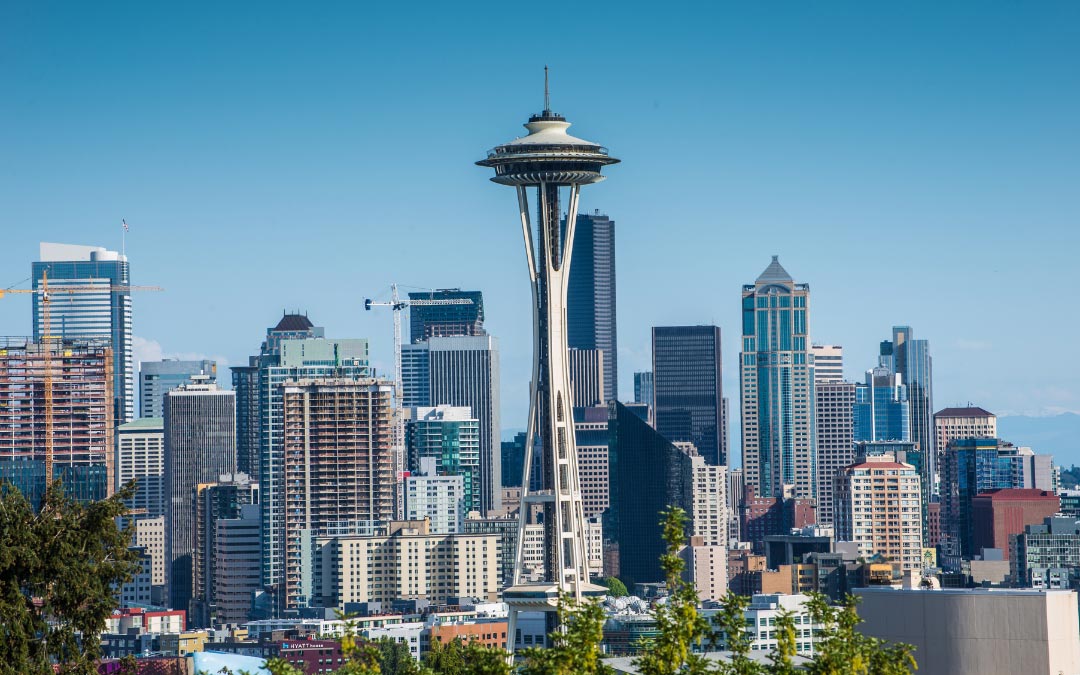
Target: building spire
x=547 y=94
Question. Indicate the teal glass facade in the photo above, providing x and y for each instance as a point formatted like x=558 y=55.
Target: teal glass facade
x=777 y=386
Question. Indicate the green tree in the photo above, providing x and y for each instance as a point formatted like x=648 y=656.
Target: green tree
x=783 y=656
x=395 y=658
x=616 y=588
x=59 y=570
x=575 y=648
x=736 y=638
x=465 y=658
x=679 y=624
x=842 y=650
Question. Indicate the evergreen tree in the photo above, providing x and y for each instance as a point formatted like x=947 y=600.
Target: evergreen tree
x=60 y=568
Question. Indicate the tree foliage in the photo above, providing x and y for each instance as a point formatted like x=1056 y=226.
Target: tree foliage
x=616 y=588
x=842 y=650
x=59 y=570
x=575 y=649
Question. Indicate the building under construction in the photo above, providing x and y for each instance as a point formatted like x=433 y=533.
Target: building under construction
x=56 y=410
x=339 y=466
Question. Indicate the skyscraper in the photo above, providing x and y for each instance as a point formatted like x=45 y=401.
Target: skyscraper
x=587 y=377
x=910 y=358
x=967 y=422
x=88 y=315
x=461 y=371
x=140 y=456
x=643 y=387
x=442 y=320
x=158 y=377
x=200 y=446
x=291 y=359
x=828 y=363
x=834 y=416
x=338 y=465
x=688 y=387
x=440 y=499
x=881 y=408
x=590 y=299
x=451 y=436
x=80 y=426
x=245 y=380
x=777 y=376
x=214 y=502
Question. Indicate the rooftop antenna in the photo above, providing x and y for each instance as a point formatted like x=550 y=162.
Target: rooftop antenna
x=547 y=94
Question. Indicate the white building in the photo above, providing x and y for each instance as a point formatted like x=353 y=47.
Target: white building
x=834 y=403
x=761 y=618
x=968 y=422
x=441 y=499
x=978 y=631
x=828 y=363
x=140 y=457
x=150 y=535
x=878 y=506
x=710 y=516
x=706 y=567
x=407 y=633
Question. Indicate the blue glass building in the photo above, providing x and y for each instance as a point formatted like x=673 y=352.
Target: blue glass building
x=881 y=408
x=910 y=358
x=776 y=371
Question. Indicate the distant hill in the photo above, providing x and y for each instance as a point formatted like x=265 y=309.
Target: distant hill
x=1058 y=435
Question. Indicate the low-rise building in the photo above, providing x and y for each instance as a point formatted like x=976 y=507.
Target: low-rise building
x=1047 y=555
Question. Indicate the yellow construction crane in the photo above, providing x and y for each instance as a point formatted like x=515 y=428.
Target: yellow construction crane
x=46 y=292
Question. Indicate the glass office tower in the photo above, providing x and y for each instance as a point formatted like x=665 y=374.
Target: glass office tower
x=688 y=388
x=590 y=297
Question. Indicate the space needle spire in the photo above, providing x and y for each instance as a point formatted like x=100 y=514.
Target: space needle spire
x=550 y=164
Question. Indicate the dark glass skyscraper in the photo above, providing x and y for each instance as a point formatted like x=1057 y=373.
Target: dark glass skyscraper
x=590 y=301
x=646 y=474
x=688 y=388
x=441 y=320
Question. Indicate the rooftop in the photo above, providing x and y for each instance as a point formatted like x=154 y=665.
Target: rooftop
x=1017 y=494
x=143 y=423
x=294 y=322
x=774 y=273
x=972 y=411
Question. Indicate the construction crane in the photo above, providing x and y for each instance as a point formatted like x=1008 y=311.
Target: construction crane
x=397 y=304
x=47 y=292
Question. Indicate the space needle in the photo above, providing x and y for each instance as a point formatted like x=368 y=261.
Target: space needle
x=554 y=163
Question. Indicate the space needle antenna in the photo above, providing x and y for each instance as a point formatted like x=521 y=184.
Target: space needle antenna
x=547 y=92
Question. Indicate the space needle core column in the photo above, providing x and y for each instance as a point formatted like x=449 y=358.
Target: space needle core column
x=551 y=161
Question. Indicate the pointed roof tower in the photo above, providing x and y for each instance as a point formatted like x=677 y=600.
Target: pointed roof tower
x=775 y=273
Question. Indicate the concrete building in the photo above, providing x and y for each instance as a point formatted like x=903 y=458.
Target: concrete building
x=150 y=536
x=157 y=378
x=828 y=363
x=1047 y=555
x=834 y=403
x=237 y=570
x=586 y=377
x=736 y=488
x=451 y=436
x=81 y=423
x=339 y=465
x=761 y=517
x=408 y=562
x=688 y=388
x=224 y=499
x=1003 y=513
x=591 y=435
x=461 y=371
x=777 y=385
x=137 y=592
x=506 y=528
x=761 y=618
x=879 y=507
x=591 y=322
x=978 y=632
x=440 y=499
x=706 y=567
x=709 y=519
x=967 y=422
x=100 y=309
x=140 y=456
x=200 y=446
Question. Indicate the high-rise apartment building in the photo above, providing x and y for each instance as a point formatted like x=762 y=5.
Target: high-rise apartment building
x=777 y=385
x=973 y=466
x=435 y=319
x=246 y=384
x=586 y=377
x=150 y=535
x=736 y=488
x=591 y=436
x=879 y=507
x=910 y=359
x=688 y=388
x=451 y=436
x=590 y=297
x=338 y=465
x=200 y=446
x=710 y=514
x=156 y=378
x=140 y=456
x=461 y=371
x=882 y=412
x=87 y=314
x=828 y=363
x=81 y=421
x=284 y=359
x=969 y=422
x=834 y=415
x=224 y=499
x=440 y=499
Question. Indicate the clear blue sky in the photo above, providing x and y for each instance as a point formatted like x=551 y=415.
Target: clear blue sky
x=915 y=163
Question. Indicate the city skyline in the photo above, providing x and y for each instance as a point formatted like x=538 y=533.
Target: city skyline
x=982 y=171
